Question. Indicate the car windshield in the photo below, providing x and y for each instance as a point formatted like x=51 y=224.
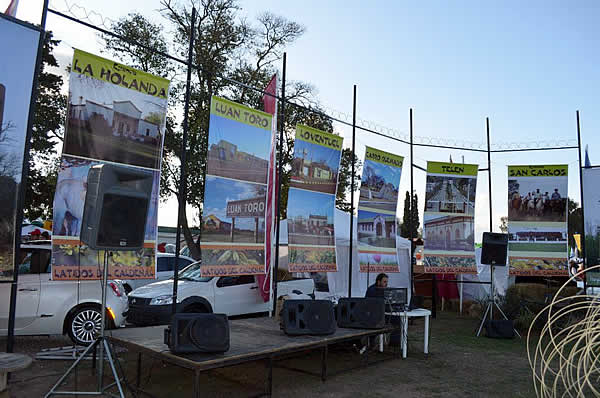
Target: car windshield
x=192 y=273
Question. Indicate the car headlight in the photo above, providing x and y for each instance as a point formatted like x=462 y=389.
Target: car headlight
x=162 y=300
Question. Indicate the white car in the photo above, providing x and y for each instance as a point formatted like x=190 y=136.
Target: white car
x=231 y=295
x=46 y=307
x=165 y=263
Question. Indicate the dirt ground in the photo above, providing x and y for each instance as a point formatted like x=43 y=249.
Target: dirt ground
x=459 y=365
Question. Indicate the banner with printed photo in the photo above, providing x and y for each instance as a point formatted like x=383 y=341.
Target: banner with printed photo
x=591 y=201
x=377 y=211
x=116 y=114
x=19 y=51
x=448 y=222
x=311 y=201
x=234 y=209
x=537 y=220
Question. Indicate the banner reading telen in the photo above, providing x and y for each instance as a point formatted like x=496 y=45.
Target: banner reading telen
x=233 y=224
x=377 y=211
x=537 y=220
x=448 y=227
x=311 y=200
x=116 y=114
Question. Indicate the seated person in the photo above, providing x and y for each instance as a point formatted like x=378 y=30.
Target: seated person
x=376 y=289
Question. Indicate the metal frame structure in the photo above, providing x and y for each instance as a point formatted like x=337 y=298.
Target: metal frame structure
x=282 y=98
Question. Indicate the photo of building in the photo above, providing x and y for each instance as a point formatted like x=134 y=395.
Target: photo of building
x=314 y=167
x=226 y=160
x=112 y=123
x=448 y=233
x=376 y=229
x=379 y=186
x=310 y=220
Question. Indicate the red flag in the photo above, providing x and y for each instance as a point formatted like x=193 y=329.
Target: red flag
x=270 y=103
x=12 y=8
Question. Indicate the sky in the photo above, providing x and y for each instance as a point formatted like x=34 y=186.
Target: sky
x=306 y=203
x=390 y=174
x=527 y=66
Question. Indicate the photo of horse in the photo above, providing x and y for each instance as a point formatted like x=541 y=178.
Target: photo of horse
x=537 y=199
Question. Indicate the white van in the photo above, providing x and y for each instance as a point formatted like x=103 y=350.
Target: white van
x=46 y=307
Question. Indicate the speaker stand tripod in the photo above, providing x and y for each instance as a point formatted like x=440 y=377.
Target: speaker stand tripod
x=104 y=349
x=491 y=303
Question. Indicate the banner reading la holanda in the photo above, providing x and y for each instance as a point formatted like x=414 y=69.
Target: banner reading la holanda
x=377 y=211
x=311 y=200
x=233 y=225
x=116 y=114
x=19 y=49
x=537 y=219
x=448 y=226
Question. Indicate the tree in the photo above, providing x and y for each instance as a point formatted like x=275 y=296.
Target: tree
x=225 y=46
x=48 y=131
x=406 y=227
x=342 y=201
x=504 y=224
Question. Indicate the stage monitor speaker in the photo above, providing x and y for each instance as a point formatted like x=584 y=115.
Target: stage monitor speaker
x=314 y=317
x=198 y=333
x=494 y=248
x=116 y=207
x=361 y=313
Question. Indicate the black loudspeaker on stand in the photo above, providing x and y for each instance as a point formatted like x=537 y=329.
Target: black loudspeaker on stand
x=114 y=218
x=313 y=317
x=493 y=253
x=361 y=313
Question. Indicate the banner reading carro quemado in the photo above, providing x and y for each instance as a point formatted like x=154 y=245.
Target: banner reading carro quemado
x=116 y=114
x=537 y=220
x=377 y=211
x=233 y=220
x=311 y=201
x=448 y=226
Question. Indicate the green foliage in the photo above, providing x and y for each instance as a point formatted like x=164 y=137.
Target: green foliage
x=342 y=201
x=410 y=216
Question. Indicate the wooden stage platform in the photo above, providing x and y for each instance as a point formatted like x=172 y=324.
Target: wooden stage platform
x=250 y=340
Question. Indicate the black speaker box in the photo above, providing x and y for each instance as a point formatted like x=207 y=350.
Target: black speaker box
x=500 y=329
x=494 y=248
x=361 y=313
x=116 y=207
x=416 y=301
x=196 y=333
x=315 y=317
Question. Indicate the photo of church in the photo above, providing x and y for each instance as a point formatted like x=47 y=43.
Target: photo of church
x=376 y=229
x=448 y=233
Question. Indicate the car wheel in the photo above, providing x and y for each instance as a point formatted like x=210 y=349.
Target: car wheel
x=127 y=288
x=196 y=309
x=84 y=325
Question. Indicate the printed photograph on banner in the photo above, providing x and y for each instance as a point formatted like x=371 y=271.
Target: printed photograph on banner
x=316 y=161
x=19 y=51
x=376 y=229
x=234 y=211
x=591 y=199
x=379 y=183
x=223 y=259
x=311 y=259
x=537 y=266
x=115 y=113
x=447 y=263
x=238 y=150
x=448 y=233
x=537 y=199
x=69 y=199
x=310 y=218
x=450 y=194
x=374 y=262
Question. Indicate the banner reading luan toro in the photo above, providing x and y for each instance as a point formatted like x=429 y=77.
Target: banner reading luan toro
x=448 y=226
x=19 y=49
x=116 y=114
x=537 y=220
x=591 y=200
x=311 y=201
x=377 y=211
x=233 y=224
